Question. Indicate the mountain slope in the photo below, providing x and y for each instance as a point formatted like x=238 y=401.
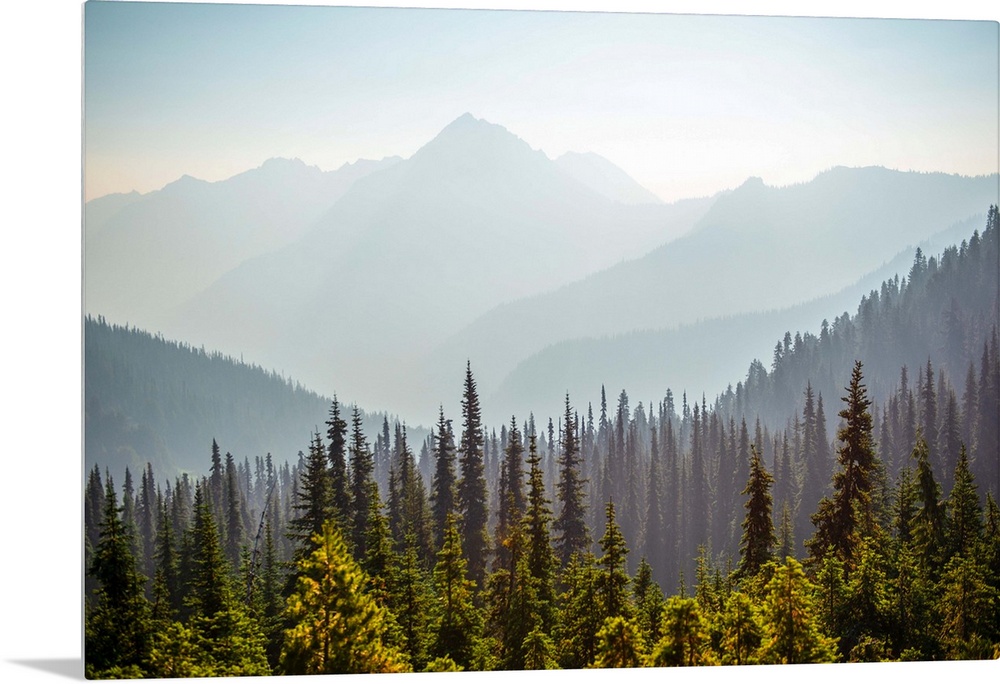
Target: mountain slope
x=150 y=400
x=411 y=254
x=757 y=248
x=702 y=356
x=144 y=254
x=600 y=175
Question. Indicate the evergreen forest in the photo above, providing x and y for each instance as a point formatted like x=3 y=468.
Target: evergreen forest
x=837 y=505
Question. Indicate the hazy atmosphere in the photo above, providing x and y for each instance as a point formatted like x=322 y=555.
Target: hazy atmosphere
x=687 y=105
x=522 y=340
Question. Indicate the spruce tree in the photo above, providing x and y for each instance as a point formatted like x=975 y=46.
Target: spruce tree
x=791 y=626
x=758 y=527
x=443 y=485
x=619 y=644
x=571 y=536
x=340 y=498
x=539 y=556
x=929 y=520
x=362 y=477
x=684 y=639
x=841 y=521
x=457 y=622
x=965 y=523
x=613 y=587
x=471 y=490
x=337 y=627
x=313 y=501
x=117 y=635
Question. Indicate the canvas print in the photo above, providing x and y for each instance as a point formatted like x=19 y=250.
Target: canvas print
x=423 y=340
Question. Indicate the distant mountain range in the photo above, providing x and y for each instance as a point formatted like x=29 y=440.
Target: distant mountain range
x=145 y=254
x=381 y=279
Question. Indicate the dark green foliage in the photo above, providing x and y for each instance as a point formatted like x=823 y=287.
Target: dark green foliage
x=965 y=520
x=570 y=529
x=471 y=490
x=758 y=528
x=443 y=486
x=118 y=629
x=928 y=522
x=362 y=466
x=313 y=500
x=841 y=521
x=579 y=620
x=340 y=498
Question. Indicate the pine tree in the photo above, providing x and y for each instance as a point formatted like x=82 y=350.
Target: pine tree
x=648 y=600
x=340 y=497
x=457 y=622
x=313 y=506
x=791 y=627
x=614 y=580
x=336 y=626
x=234 y=517
x=443 y=486
x=117 y=634
x=841 y=521
x=758 y=527
x=571 y=536
x=685 y=635
x=741 y=631
x=411 y=603
x=539 y=557
x=965 y=523
x=579 y=620
x=362 y=476
x=928 y=521
x=226 y=641
x=471 y=490
x=619 y=644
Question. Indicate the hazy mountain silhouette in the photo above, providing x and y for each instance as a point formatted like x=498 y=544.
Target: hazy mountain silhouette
x=701 y=357
x=757 y=248
x=600 y=175
x=147 y=253
x=412 y=253
x=147 y=399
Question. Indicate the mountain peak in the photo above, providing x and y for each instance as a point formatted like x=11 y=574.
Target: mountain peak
x=467 y=138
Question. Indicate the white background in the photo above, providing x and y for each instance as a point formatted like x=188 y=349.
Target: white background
x=40 y=271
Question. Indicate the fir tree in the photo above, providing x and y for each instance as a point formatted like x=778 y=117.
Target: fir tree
x=336 y=626
x=571 y=535
x=758 y=527
x=792 y=630
x=471 y=490
x=842 y=520
x=613 y=586
x=965 y=524
x=362 y=476
x=685 y=635
x=340 y=498
x=619 y=644
x=117 y=634
x=457 y=623
x=443 y=485
x=313 y=506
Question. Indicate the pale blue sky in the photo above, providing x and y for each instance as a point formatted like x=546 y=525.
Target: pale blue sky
x=688 y=105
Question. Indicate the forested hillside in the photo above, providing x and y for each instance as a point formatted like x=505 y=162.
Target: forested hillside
x=837 y=506
x=147 y=399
